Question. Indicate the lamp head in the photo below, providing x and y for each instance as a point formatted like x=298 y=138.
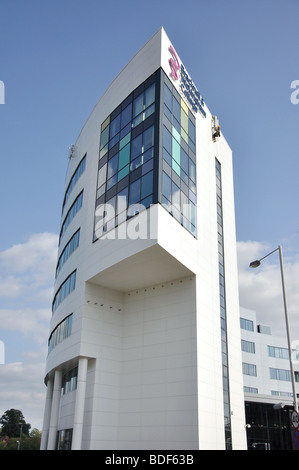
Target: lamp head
x=279 y=406
x=255 y=264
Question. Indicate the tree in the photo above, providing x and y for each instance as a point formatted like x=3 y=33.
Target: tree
x=13 y=424
x=35 y=438
x=31 y=442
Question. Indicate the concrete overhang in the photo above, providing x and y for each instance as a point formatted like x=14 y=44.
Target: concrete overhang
x=153 y=265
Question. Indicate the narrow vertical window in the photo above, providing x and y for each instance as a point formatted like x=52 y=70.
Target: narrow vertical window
x=222 y=302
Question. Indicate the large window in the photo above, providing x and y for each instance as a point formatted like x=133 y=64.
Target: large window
x=283 y=374
x=64 y=290
x=128 y=145
x=179 y=160
x=76 y=206
x=62 y=331
x=278 y=393
x=246 y=324
x=249 y=369
x=78 y=172
x=69 y=248
x=64 y=439
x=280 y=353
x=69 y=381
x=268 y=429
x=248 y=346
x=147 y=155
x=250 y=389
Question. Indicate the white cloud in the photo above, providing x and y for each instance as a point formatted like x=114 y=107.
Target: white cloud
x=22 y=388
x=26 y=291
x=27 y=269
x=33 y=323
x=260 y=289
x=38 y=251
x=10 y=286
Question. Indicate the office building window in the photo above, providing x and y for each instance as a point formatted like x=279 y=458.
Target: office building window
x=69 y=248
x=76 y=206
x=64 y=439
x=179 y=160
x=248 y=346
x=246 y=324
x=222 y=305
x=147 y=155
x=280 y=353
x=283 y=374
x=127 y=171
x=63 y=330
x=250 y=390
x=277 y=393
x=64 y=290
x=249 y=369
x=78 y=172
x=69 y=381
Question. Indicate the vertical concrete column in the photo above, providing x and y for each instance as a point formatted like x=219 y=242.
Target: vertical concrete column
x=55 y=410
x=47 y=415
x=79 y=404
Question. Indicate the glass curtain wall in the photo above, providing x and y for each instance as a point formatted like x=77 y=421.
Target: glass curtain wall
x=147 y=155
x=268 y=429
x=178 y=172
x=128 y=157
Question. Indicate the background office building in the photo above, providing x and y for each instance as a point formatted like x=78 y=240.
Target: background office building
x=267 y=384
x=144 y=344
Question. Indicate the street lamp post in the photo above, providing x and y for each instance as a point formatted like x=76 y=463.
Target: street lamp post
x=255 y=264
x=21 y=430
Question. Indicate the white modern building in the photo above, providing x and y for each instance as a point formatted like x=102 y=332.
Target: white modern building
x=266 y=363
x=144 y=344
x=268 y=391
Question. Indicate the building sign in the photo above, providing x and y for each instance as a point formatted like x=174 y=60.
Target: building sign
x=174 y=64
x=186 y=85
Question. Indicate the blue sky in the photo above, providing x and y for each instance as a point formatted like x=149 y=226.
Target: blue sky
x=56 y=60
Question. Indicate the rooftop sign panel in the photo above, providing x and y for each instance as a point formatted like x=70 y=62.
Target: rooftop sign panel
x=188 y=90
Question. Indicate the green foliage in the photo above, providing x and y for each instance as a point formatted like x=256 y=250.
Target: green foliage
x=14 y=433
x=13 y=424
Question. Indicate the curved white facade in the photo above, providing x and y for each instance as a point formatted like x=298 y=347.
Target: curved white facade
x=139 y=339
